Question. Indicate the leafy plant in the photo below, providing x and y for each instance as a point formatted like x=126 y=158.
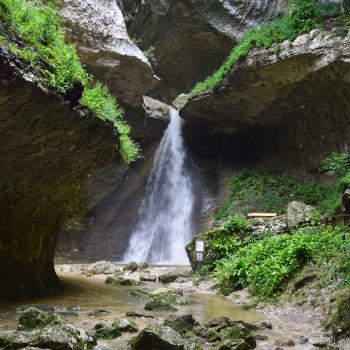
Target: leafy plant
x=336 y=164
x=304 y=15
x=264 y=265
x=99 y=100
x=267 y=193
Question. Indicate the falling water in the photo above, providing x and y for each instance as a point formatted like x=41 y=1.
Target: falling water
x=164 y=224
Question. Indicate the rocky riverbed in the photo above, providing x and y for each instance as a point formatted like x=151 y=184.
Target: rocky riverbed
x=113 y=306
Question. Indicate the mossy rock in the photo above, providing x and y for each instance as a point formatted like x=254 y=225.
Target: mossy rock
x=230 y=344
x=132 y=266
x=124 y=325
x=104 y=331
x=181 y=324
x=159 y=305
x=158 y=337
x=121 y=281
x=33 y=318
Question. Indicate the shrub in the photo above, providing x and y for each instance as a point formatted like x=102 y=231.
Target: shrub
x=267 y=192
x=264 y=265
x=336 y=164
x=305 y=15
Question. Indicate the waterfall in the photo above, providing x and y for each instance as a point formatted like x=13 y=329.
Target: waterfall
x=164 y=223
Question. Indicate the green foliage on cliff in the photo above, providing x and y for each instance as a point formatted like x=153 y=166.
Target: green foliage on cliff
x=41 y=40
x=265 y=192
x=336 y=164
x=35 y=34
x=265 y=265
x=99 y=100
x=304 y=16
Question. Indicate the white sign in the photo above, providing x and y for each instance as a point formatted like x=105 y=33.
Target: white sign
x=199 y=256
x=199 y=246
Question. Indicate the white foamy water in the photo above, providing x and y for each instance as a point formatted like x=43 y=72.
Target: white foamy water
x=164 y=224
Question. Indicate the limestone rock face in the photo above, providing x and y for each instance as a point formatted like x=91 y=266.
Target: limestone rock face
x=50 y=151
x=191 y=38
x=299 y=213
x=282 y=96
x=98 y=28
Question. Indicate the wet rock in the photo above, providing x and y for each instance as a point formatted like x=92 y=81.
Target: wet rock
x=138 y=314
x=14 y=341
x=172 y=276
x=260 y=337
x=159 y=305
x=299 y=213
x=148 y=277
x=105 y=331
x=156 y=109
x=121 y=281
x=101 y=267
x=62 y=337
x=238 y=331
x=132 y=266
x=158 y=337
x=98 y=28
x=209 y=335
x=180 y=324
x=124 y=325
x=139 y=292
x=169 y=296
x=41 y=307
x=99 y=312
x=33 y=318
x=230 y=344
x=265 y=325
x=284 y=342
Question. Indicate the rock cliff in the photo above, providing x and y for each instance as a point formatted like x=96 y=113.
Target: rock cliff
x=191 y=38
x=98 y=28
x=50 y=159
x=293 y=98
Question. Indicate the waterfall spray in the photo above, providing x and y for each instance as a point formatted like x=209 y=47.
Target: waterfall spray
x=164 y=224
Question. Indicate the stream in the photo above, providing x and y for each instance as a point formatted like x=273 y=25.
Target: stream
x=87 y=294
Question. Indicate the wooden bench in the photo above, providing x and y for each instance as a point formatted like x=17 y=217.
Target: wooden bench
x=261 y=215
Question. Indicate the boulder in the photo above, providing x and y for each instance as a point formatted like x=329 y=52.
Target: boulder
x=121 y=281
x=237 y=332
x=180 y=324
x=156 y=109
x=101 y=267
x=159 y=305
x=132 y=266
x=169 y=296
x=158 y=337
x=106 y=331
x=147 y=277
x=124 y=325
x=98 y=28
x=231 y=344
x=62 y=337
x=33 y=318
x=172 y=276
x=99 y=312
x=210 y=335
x=299 y=213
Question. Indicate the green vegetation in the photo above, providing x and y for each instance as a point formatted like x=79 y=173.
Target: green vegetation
x=304 y=16
x=35 y=34
x=336 y=164
x=267 y=193
x=266 y=264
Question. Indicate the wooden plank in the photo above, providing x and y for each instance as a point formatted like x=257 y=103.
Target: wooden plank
x=262 y=215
